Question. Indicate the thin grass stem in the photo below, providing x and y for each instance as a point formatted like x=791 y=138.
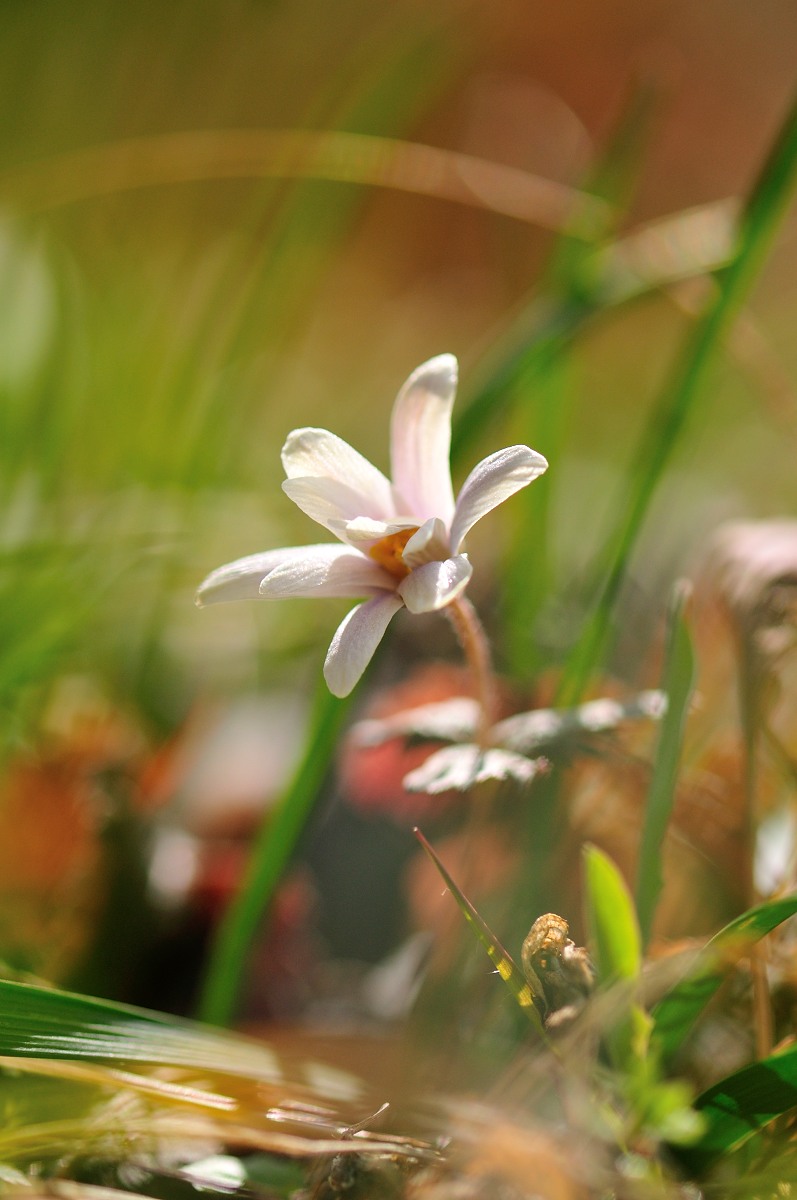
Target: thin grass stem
x=758 y=223
x=272 y=851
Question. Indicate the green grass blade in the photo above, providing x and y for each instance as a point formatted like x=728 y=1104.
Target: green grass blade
x=272 y=851
x=37 y=1022
x=573 y=295
x=611 y=918
x=542 y=411
x=613 y=178
x=617 y=949
x=678 y=1011
x=677 y=684
x=509 y=971
x=737 y=1107
x=760 y=217
x=615 y=933
x=529 y=569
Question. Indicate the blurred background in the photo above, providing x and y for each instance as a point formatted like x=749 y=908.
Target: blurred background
x=218 y=222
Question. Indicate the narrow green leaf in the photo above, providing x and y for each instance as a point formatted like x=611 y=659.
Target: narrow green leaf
x=273 y=849
x=675 y=1015
x=613 y=178
x=611 y=918
x=737 y=1107
x=677 y=684
x=37 y=1022
x=617 y=949
x=509 y=971
x=764 y=209
x=573 y=294
x=574 y=275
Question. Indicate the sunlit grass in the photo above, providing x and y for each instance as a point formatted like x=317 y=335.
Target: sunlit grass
x=203 y=246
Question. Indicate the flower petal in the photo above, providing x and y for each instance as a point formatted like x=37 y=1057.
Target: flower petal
x=420 y=439
x=326 y=571
x=240 y=580
x=319 y=454
x=328 y=501
x=429 y=544
x=363 y=532
x=355 y=641
x=492 y=481
x=435 y=584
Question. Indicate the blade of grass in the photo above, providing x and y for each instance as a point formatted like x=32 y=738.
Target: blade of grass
x=617 y=949
x=509 y=971
x=543 y=329
x=677 y=684
x=678 y=1011
x=38 y=1022
x=761 y=215
x=272 y=851
x=611 y=919
x=574 y=274
x=529 y=575
x=102 y=1076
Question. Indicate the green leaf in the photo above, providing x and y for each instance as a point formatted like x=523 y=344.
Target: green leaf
x=762 y=213
x=677 y=684
x=675 y=1015
x=536 y=340
x=38 y=1022
x=617 y=949
x=521 y=988
x=616 y=943
x=737 y=1107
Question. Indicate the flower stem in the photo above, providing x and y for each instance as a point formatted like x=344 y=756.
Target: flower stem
x=473 y=640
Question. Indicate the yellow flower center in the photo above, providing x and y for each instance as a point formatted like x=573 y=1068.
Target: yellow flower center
x=388 y=552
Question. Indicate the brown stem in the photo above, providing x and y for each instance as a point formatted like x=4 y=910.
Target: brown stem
x=473 y=639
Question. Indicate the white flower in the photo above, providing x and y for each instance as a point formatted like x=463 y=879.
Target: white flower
x=402 y=540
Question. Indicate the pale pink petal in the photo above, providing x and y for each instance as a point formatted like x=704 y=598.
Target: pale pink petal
x=240 y=580
x=328 y=501
x=420 y=439
x=364 y=532
x=318 y=454
x=436 y=584
x=429 y=544
x=492 y=481
x=326 y=571
x=355 y=641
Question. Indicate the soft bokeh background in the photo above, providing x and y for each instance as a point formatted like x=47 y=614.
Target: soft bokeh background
x=171 y=309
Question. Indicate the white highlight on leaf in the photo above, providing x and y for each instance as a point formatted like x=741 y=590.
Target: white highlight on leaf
x=458 y=768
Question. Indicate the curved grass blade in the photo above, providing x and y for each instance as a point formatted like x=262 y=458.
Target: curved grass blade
x=737 y=1107
x=677 y=684
x=272 y=852
x=46 y=1023
x=38 y=1022
x=101 y=1076
x=334 y=155
x=678 y=1011
x=509 y=971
